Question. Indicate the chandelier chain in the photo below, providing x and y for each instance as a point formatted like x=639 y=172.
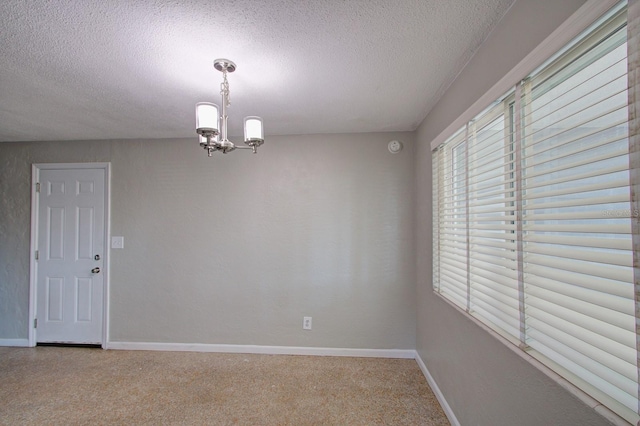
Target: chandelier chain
x=224 y=88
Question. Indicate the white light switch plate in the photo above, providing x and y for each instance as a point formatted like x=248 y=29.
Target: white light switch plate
x=117 y=242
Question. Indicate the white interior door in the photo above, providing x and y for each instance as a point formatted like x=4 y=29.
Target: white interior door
x=70 y=258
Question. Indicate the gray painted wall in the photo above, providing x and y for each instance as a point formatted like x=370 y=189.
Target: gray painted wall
x=236 y=249
x=15 y=220
x=326 y=224
x=484 y=382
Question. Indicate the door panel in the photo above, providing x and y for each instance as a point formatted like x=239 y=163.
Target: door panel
x=54 y=296
x=84 y=291
x=55 y=233
x=70 y=234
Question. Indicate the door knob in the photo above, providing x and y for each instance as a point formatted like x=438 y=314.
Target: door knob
x=95 y=270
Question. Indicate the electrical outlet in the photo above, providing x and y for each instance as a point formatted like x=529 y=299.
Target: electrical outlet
x=306 y=323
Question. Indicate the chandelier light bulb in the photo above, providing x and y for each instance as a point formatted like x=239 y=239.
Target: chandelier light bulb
x=253 y=130
x=207 y=117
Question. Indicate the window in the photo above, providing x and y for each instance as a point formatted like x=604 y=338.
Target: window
x=533 y=217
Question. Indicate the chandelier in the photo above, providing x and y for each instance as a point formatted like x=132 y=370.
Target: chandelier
x=212 y=128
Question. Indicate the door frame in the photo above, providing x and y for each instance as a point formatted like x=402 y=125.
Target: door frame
x=33 y=264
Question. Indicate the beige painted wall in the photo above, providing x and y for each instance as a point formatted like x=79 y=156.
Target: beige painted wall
x=484 y=381
x=236 y=249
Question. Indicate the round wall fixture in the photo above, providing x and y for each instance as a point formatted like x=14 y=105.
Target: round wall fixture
x=395 y=147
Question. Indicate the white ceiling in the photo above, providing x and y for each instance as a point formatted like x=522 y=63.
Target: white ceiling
x=114 y=69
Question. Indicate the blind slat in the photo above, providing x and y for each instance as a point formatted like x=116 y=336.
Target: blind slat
x=595 y=311
x=606 y=374
x=601 y=356
x=579 y=267
x=586 y=228
x=578 y=202
x=597 y=297
x=596 y=256
x=591 y=242
x=609 y=184
x=618 y=288
x=620 y=335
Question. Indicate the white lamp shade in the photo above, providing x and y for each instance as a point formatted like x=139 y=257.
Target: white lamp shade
x=207 y=116
x=253 y=130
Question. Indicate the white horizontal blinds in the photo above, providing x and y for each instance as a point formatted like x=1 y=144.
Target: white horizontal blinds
x=435 y=215
x=494 y=296
x=522 y=90
x=536 y=207
x=452 y=218
x=633 y=70
x=577 y=247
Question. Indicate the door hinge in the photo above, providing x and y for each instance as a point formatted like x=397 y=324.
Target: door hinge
x=35 y=323
x=38 y=187
x=37 y=255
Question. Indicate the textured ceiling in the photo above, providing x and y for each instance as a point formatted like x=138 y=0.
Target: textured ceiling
x=115 y=69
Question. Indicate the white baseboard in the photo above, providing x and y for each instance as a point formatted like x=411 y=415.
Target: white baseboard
x=436 y=390
x=21 y=343
x=268 y=350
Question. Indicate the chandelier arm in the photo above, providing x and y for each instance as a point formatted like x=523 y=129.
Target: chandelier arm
x=209 y=142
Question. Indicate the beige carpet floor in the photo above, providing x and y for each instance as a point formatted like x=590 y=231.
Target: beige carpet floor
x=79 y=386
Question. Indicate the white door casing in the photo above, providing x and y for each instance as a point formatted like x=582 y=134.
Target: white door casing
x=70 y=253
